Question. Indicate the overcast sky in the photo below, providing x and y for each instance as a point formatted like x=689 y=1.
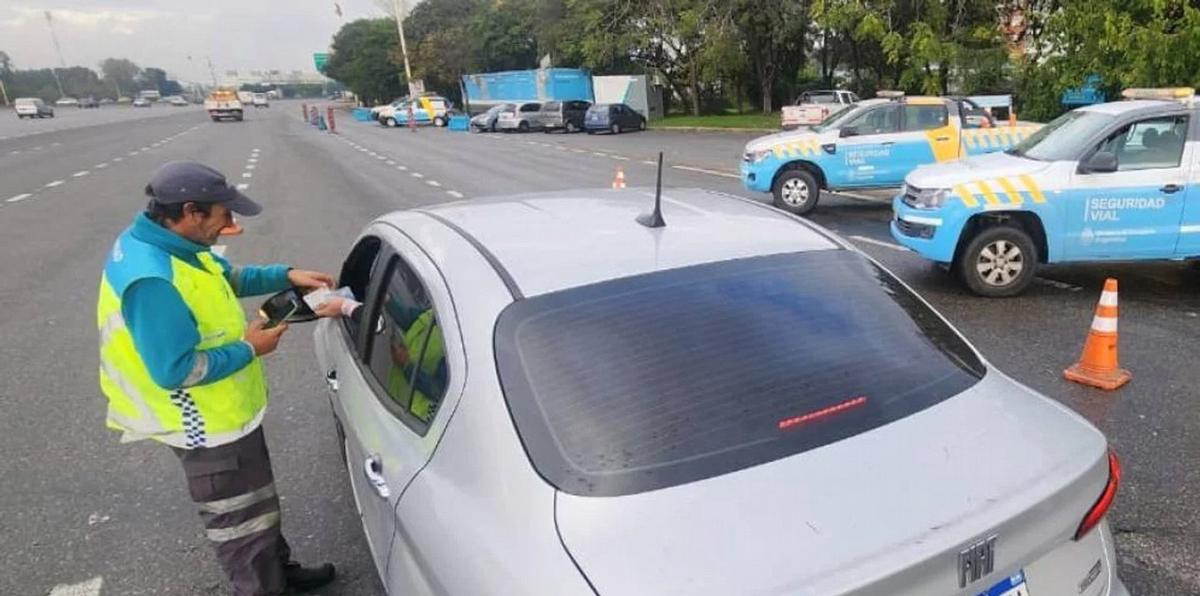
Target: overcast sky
x=241 y=34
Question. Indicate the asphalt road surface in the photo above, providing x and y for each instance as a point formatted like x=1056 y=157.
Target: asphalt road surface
x=85 y=514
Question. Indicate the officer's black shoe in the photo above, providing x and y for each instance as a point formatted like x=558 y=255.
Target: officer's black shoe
x=307 y=578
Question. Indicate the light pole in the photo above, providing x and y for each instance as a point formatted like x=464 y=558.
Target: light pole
x=399 y=7
x=63 y=63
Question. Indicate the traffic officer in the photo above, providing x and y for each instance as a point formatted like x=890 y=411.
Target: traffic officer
x=180 y=366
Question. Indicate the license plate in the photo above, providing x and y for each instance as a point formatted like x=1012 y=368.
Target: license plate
x=1014 y=585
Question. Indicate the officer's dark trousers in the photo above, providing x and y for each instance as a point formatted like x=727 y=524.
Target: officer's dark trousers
x=234 y=488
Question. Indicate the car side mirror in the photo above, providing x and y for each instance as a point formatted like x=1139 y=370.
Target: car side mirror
x=849 y=131
x=1100 y=162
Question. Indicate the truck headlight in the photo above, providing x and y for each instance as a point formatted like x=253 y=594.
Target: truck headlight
x=927 y=198
x=757 y=155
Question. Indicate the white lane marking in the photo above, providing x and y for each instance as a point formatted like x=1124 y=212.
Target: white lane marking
x=373 y=154
x=116 y=159
x=561 y=148
x=90 y=587
x=55 y=144
x=455 y=194
x=578 y=151
x=250 y=166
x=37 y=148
x=709 y=172
x=132 y=153
x=247 y=175
x=418 y=175
x=14 y=152
x=145 y=148
x=879 y=243
x=253 y=160
x=402 y=168
x=243 y=186
x=649 y=162
x=391 y=162
x=619 y=157
x=20 y=197
x=599 y=154
x=80 y=173
x=55 y=183
x=256 y=149
x=381 y=157
x=433 y=183
x=101 y=166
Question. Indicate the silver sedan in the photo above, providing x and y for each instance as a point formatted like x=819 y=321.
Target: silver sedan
x=543 y=395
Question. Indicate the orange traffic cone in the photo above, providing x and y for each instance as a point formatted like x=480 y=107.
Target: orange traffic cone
x=1098 y=365
x=619 y=181
x=1012 y=118
x=233 y=229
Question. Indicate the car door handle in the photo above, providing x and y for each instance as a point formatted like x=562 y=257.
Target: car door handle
x=888 y=143
x=373 y=469
x=331 y=380
x=1171 y=188
x=943 y=139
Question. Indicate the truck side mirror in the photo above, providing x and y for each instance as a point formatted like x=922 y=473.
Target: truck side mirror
x=1100 y=162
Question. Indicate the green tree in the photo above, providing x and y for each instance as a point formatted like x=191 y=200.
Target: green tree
x=365 y=58
x=120 y=73
x=6 y=64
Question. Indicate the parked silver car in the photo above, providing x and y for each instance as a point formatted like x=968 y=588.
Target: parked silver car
x=522 y=118
x=486 y=122
x=543 y=396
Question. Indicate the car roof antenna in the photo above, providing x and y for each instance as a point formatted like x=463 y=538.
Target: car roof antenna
x=654 y=219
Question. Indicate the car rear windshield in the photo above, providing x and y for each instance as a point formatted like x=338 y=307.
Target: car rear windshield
x=666 y=378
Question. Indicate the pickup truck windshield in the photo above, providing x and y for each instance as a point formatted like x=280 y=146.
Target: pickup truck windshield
x=1062 y=138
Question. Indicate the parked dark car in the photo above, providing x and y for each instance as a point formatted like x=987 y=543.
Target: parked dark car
x=563 y=115
x=89 y=102
x=487 y=120
x=613 y=117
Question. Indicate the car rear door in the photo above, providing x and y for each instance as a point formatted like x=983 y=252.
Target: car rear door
x=392 y=375
x=867 y=158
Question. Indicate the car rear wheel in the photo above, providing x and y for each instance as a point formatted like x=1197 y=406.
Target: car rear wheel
x=390 y=122
x=999 y=261
x=523 y=126
x=615 y=128
x=439 y=122
x=571 y=127
x=796 y=191
x=642 y=125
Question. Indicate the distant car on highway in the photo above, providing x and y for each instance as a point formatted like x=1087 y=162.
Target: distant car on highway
x=521 y=413
x=124 y=99
x=224 y=103
x=613 y=117
x=89 y=102
x=523 y=117
x=32 y=107
x=141 y=102
x=67 y=102
x=176 y=100
x=566 y=116
x=261 y=101
x=487 y=120
x=107 y=100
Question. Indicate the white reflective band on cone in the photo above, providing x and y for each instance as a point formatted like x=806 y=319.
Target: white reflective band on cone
x=1108 y=299
x=1104 y=324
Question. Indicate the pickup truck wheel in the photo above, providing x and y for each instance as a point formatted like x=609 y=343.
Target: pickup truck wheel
x=999 y=261
x=796 y=191
x=439 y=122
x=571 y=127
x=390 y=122
x=642 y=125
x=615 y=128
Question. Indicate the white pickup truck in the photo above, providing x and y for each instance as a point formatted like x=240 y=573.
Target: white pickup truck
x=223 y=103
x=813 y=107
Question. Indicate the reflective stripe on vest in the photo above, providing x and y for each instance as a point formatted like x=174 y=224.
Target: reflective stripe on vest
x=189 y=417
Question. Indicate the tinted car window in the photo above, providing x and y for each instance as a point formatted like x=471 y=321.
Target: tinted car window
x=530 y=107
x=918 y=117
x=551 y=106
x=1151 y=144
x=666 y=378
x=356 y=274
x=880 y=120
x=407 y=355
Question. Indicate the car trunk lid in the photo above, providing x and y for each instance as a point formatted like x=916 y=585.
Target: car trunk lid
x=886 y=511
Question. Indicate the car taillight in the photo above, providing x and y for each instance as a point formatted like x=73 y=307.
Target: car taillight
x=1100 y=509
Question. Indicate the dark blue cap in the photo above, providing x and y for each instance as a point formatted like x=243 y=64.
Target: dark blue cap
x=179 y=182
